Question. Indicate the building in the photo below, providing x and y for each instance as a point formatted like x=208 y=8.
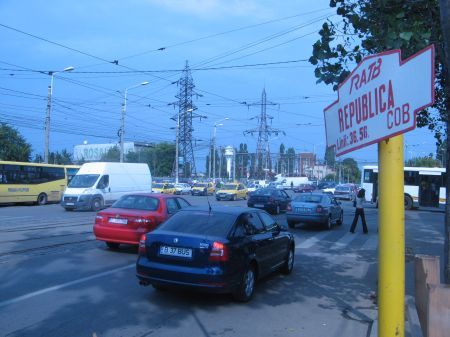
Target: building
x=306 y=163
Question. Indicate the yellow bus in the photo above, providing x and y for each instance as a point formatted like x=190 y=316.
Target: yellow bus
x=32 y=182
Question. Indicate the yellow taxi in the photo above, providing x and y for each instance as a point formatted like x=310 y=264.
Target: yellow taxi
x=232 y=191
x=203 y=189
x=163 y=188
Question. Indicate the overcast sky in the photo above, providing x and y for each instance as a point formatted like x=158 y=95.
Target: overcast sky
x=156 y=38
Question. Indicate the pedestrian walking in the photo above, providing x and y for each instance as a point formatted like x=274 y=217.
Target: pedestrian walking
x=359 y=211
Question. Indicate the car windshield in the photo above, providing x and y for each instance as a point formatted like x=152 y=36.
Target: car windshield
x=158 y=185
x=137 y=202
x=311 y=198
x=263 y=191
x=199 y=222
x=199 y=185
x=83 y=180
x=229 y=187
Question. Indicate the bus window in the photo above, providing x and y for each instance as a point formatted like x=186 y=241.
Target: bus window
x=411 y=178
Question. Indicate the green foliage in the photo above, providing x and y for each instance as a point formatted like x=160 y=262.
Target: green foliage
x=113 y=155
x=160 y=158
x=330 y=156
x=427 y=161
x=373 y=26
x=13 y=146
x=348 y=171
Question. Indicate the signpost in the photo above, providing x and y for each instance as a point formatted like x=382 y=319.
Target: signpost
x=377 y=103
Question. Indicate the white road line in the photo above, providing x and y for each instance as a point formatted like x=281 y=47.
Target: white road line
x=344 y=241
x=371 y=243
x=308 y=243
x=63 y=285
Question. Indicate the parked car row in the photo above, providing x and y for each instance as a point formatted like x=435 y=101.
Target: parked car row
x=223 y=249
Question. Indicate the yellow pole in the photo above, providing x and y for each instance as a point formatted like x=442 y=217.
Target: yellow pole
x=391 y=247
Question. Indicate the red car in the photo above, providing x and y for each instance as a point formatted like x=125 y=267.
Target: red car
x=133 y=215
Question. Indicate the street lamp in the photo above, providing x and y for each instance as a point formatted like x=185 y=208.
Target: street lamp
x=216 y=124
x=49 y=111
x=122 y=119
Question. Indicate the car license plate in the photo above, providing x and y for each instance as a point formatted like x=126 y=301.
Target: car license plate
x=175 y=251
x=70 y=203
x=118 y=221
x=302 y=210
x=259 y=205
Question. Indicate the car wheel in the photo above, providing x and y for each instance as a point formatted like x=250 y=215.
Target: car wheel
x=245 y=291
x=69 y=209
x=291 y=224
x=42 y=199
x=328 y=223
x=289 y=263
x=340 y=221
x=113 y=245
x=96 y=204
x=408 y=202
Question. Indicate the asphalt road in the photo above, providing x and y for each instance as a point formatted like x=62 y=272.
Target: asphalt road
x=56 y=280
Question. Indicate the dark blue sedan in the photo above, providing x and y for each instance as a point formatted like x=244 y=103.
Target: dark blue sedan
x=223 y=249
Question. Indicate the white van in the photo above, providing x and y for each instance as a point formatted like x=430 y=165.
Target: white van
x=97 y=185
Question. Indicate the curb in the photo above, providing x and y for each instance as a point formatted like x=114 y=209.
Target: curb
x=412 y=323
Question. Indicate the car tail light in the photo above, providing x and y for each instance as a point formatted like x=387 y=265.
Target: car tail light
x=319 y=209
x=142 y=244
x=289 y=207
x=98 y=219
x=219 y=252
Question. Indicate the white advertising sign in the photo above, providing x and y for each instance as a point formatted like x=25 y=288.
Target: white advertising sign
x=94 y=152
x=380 y=99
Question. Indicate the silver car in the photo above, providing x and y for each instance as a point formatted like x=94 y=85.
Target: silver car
x=315 y=208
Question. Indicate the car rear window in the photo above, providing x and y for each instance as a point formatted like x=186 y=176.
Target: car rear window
x=264 y=192
x=198 y=222
x=137 y=202
x=316 y=199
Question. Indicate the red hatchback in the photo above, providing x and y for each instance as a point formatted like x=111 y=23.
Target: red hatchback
x=133 y=215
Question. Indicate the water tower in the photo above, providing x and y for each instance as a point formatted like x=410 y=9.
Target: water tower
x=229 y=157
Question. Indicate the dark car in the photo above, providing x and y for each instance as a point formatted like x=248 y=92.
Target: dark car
x=315 y=208
x=271 y=199
x=223 y=250
x=326 y=184
x=303 y=188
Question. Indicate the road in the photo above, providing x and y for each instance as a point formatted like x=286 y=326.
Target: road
x=56 y=280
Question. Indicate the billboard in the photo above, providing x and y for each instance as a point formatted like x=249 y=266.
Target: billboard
x=94 y=152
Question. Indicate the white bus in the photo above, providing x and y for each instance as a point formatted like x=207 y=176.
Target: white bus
x=424 y=186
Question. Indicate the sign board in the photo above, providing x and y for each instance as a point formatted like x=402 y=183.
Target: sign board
x=380 y=99
x=94 y=152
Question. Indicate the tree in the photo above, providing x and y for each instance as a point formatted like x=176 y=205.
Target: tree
x=372 y=26
x=290 y=154
x=330 y=156
x=113 y=155
x=427 y=161
x=13 y=146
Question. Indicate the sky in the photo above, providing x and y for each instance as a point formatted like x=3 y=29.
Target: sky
x=255 y=44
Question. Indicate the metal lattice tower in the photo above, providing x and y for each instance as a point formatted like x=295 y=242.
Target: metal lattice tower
x=264 y=131
x=185 y=114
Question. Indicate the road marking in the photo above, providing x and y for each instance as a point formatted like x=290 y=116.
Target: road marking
x=308 y=243
x=371 y=243
x=344 y=241
x=63 y=285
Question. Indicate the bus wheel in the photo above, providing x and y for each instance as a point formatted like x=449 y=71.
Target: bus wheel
x=408 y=202
x=42 y=199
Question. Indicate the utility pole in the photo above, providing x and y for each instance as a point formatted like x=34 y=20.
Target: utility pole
x=444 y=6
x=264 y=131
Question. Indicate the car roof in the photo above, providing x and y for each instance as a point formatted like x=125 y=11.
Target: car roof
x=233 y=210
